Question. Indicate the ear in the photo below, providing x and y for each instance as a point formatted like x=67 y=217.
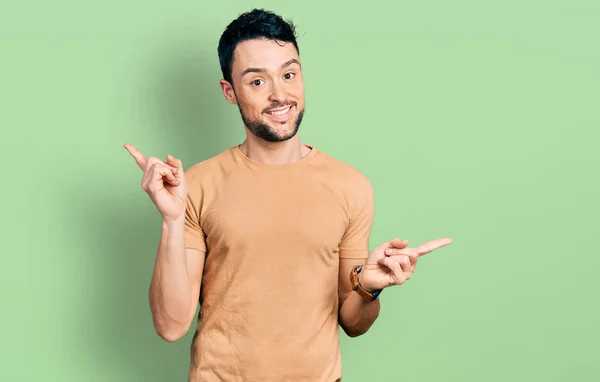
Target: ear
x=228 y=92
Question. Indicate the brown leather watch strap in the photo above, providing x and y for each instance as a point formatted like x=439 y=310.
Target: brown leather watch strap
x=366 y=295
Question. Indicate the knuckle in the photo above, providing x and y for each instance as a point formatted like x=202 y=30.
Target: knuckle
x=152 y=161
x=149 y=167
x=157 y=167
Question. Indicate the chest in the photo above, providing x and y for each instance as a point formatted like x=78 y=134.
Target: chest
x=250 y=214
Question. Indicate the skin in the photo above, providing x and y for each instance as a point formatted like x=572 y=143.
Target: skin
x=177 y=275
x=266 y=75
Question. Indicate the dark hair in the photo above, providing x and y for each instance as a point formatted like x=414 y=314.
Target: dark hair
x=256 y=23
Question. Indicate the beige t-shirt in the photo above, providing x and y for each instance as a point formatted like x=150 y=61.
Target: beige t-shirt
x=273 y=235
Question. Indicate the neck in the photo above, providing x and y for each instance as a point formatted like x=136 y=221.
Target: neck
x=262 y=151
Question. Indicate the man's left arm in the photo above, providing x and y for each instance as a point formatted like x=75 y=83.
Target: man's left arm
x=390 y=263
x=356 y=314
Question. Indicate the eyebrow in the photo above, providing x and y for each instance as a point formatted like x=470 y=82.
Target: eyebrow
x=262 y=70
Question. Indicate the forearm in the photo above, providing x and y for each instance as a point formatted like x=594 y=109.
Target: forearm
x=357 y=315
x=170 y=295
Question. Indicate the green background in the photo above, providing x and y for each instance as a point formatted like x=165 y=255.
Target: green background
x=475 y=120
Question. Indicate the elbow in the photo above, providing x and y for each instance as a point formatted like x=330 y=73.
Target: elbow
x=170 y=333
x=359 y=328
x=355 y=332
x=169 y=336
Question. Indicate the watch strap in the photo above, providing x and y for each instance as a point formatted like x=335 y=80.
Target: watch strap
x=366 y=295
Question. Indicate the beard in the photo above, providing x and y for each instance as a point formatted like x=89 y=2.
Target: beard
x=262 y=130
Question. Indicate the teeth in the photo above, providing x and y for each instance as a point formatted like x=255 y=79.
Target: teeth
x=280 y=112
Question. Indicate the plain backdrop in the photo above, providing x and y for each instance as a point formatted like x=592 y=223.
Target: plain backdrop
x=475 y=120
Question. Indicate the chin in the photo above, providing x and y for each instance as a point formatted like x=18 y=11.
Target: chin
x=273 y=130
x=283 y=133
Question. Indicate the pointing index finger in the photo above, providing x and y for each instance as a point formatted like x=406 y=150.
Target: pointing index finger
x=138 y=156
x=429 y=246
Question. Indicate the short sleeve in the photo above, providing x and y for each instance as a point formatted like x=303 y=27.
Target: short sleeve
x=193 y=233
x=355 y=242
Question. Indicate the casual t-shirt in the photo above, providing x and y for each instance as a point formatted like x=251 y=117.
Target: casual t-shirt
x=273 y=235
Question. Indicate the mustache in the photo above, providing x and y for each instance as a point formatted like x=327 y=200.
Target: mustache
x=278 y=105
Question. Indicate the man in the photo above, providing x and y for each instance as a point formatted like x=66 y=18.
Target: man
x=271 y=235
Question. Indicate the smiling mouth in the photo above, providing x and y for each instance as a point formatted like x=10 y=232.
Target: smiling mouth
x=280 y=111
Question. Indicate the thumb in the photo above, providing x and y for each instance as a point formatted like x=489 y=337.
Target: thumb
x=177 y=164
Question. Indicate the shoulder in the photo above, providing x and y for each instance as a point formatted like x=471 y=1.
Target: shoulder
x=207 y=168
x=351 y=186
x=343 y=173
x=206 y=177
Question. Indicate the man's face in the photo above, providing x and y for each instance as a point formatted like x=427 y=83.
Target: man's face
x=268 y=88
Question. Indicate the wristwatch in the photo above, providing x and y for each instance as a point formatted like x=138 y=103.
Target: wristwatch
x=366 y=295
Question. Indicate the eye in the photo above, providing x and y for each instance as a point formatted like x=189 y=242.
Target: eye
x=289 y=76
x=256 y=82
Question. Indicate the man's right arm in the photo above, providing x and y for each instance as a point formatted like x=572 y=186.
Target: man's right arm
x=177 y=274
x=176 y=282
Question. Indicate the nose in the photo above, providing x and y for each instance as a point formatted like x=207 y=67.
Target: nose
x=277 y=92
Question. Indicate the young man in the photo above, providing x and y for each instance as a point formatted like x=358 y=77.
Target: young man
x=269 y=236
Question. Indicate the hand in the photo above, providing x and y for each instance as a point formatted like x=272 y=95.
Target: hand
x=392 y=263
x=164 y=183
